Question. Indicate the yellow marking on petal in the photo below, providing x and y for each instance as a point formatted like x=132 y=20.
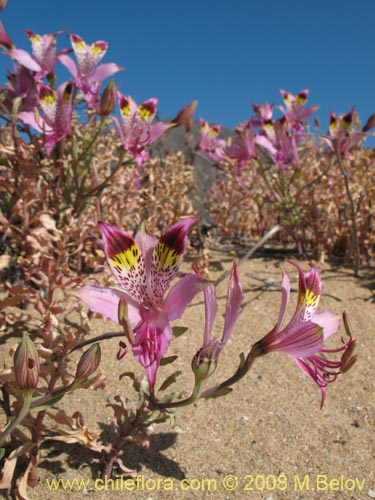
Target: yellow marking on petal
x=311 y=298
x=96 y=50
x=166 y=256
x=345 y=123
x=49 y=99
x=213 y=131
x=36 y=39
x=126 y=110
x=128 y=259
x=144 y=113
x=79 y=45
x=300 y=99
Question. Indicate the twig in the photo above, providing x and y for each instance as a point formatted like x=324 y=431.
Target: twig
x=270 y=282
x=353 y=209
x=252 y=250
x=105 y=336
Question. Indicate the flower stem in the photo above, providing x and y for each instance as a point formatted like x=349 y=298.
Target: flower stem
x=18 y=419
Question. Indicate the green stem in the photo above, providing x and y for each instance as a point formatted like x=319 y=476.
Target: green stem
x=18 y=419
x=241 y=371
x=183 y=402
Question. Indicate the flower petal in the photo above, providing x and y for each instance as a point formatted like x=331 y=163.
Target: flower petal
x=105 y=301
x=167 y=255
x=69 y=63
x=210 y=309
x=181 y=294
x=25 y=59
x=104 y=71
x=234 y=300
x=298 y=340
x=328 y=321
x=125 y=259
x=156 y=338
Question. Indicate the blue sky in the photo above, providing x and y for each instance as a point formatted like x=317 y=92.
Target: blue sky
x=225 y=54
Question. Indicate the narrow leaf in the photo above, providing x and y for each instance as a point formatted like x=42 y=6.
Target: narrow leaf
x=169 y=380
x=179 y=330
x=167 y=360
x=221 y=392
x=49 y=403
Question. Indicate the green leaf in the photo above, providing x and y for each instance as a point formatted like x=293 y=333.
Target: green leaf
x=169 y=380
x=167 y=360
x=179 y=330
x=170 y=397
x=2 y=453
x=221 y=392
x=49 y=403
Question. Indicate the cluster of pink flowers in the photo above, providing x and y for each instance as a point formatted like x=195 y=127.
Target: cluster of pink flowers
x=145 y=266
x=49 y=110
x=276 y=138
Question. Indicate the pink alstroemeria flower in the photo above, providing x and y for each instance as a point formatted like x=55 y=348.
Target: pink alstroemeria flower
x=43 y=58
x=144 y=267
x=284 y=150
x=295 y=112
x=263 y=114
x=57 y=107
x=137 y=130
x=209 y=141
x=205 y=361
x=242 y=147
x=341 y=130
x=21 y=84
x=304 y=336
x=88 y=73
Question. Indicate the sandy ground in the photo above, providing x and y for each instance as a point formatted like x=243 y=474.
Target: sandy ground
x=268 y=439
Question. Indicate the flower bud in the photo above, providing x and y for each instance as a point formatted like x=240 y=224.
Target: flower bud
x=203 y=365
x=185 y=115
x=26 y=364
x=89 y=362
x=3 y=4
x=108 y=99
x=4 y=38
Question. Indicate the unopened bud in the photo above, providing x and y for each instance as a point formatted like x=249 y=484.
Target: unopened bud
x=108 y=99
x=4 y=38
x=203 y=365
x=26 y=364
x=89 y=362
x=347 y=324
x=185 y=115
x=3 y=4
x=370 y=123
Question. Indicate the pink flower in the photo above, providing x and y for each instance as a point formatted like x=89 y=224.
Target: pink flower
x=242 y=147
x=22 y=85
x=144 y=267
x=55 y=124
x=295 y=112
x=210 y=143
x=263 y=114
x=44 y=57
x=341 y=130
x=87 y=72
x=283 y=151
x=137 y=130
x=205 y=361
x=304 y=336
